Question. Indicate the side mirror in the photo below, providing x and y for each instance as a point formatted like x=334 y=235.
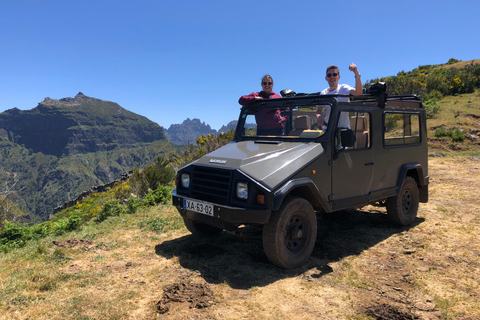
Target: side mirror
x=347 y=137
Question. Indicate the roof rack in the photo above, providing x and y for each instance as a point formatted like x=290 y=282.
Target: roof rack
x=405 y=97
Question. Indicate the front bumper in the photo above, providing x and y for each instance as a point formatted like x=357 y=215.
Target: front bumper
x=223 y=215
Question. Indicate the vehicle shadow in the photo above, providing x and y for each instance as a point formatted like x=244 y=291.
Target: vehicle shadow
x=241 y=263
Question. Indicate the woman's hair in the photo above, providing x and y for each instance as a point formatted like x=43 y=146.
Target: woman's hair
x=267 y=76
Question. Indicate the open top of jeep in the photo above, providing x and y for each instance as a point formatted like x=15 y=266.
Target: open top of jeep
x=328 y=153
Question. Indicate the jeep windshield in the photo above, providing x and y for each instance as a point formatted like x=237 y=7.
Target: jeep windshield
x=286 y=118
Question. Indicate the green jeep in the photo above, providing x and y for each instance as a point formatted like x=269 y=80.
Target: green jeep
x=333 y=153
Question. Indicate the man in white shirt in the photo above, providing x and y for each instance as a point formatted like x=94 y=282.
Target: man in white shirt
x=332 y=76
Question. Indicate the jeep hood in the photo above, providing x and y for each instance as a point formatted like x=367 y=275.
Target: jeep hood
x=269 y=162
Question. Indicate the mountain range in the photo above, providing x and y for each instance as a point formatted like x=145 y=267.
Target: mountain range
x=77 y=125
x=190 y=130
x=55 y=151
x=61 y=148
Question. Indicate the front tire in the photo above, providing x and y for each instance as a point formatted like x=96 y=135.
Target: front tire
x=200 y=229
x=290 y=235
x=402 y=209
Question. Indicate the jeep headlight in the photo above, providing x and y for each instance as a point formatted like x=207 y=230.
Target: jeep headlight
x=185 y=178
x=242 y=190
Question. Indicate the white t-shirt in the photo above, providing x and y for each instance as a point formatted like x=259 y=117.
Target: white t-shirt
x=343 y=89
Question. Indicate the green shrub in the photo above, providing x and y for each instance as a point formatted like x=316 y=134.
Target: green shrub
x=153 y=175
x=67 y=224
x=109 y=209
x=160 y=195
x=133 y=204
x=138 y=182
x=456 y=135
x=11 y=232
x=159 y=173
x=432 y=108
x=122 y=191
x=15 y=235
x=441 y=132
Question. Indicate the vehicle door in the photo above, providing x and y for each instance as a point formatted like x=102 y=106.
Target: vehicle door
x=352 y=162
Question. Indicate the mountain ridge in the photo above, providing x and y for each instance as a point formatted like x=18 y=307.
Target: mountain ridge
x=55 y=151
x=77 y=125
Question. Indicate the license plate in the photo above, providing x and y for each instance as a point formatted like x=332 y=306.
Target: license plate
x=198 y=206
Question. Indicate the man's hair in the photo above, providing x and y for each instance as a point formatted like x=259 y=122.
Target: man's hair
x=267 y=76
x=333 y=67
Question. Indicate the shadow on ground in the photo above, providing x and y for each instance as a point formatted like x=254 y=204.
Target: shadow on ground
x=242 y=264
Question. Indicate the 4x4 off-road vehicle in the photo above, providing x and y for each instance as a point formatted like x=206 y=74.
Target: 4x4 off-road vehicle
x=362 y=150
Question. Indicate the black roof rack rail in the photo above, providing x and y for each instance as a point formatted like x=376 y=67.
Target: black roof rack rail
x=405 y=97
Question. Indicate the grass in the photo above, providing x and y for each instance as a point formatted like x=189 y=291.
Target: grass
x=35 y=277
x=454 y=124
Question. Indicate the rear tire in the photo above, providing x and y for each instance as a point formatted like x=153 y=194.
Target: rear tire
x=200 y=229
x=402 y=209
x=290 y=235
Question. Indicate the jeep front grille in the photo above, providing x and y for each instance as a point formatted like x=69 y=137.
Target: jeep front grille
x=210 y=184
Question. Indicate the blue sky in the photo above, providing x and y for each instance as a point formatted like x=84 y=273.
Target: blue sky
x=172 y=60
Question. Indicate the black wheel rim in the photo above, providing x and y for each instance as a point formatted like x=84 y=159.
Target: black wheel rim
x=296 y=233
x=407 y=202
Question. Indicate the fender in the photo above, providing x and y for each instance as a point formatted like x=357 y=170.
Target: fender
x=417 y=167
x=422 y=180
x=303 y=187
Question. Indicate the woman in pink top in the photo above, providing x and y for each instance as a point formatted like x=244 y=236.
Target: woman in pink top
x=269 y=121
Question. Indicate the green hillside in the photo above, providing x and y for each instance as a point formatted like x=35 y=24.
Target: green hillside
x=427 y=81
x=451 y=95
x=54 y=152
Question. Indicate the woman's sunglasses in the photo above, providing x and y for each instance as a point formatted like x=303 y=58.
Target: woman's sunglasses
x=265 y=83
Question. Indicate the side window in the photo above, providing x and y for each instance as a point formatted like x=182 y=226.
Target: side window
x=401 y=128
x=359 y=123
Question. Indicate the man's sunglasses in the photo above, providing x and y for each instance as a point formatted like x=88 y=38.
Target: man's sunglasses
x=265 y=83
x=331 y=74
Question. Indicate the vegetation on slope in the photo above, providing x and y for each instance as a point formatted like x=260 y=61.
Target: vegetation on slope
x=455 y=77
x=147 y=187
x=39 y=182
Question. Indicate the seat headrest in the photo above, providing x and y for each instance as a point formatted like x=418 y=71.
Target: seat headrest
x=302 y=123
x=361 y=124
